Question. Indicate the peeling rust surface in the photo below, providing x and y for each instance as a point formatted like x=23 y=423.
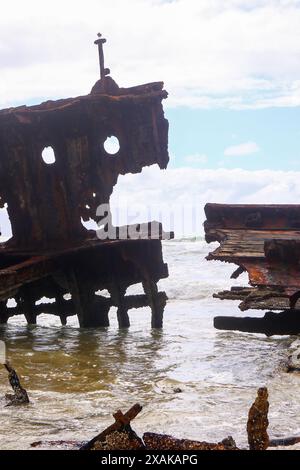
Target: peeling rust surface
x=264 y=241
x=50 y=253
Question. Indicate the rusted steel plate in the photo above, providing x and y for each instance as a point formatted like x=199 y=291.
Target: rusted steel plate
x=257 y=298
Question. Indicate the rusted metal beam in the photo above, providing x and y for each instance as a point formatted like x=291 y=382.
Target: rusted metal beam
x=283 y=323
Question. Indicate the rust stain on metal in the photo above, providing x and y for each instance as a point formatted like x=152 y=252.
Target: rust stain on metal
x=264 y=241
x=51 y=254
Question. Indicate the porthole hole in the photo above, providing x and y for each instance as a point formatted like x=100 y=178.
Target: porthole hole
x=112 y=145
x=48 y=156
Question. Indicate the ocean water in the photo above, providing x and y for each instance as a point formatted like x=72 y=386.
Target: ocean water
x=77 y=378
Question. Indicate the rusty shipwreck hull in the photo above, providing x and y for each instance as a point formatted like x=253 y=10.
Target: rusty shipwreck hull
x=51 y=254
x=264 y=241
x=73 y=278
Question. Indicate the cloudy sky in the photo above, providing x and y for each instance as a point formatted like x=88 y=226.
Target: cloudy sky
x=231 y=67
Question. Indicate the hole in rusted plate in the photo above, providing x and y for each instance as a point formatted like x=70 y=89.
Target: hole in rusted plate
x=112 y=145
x=48 y=156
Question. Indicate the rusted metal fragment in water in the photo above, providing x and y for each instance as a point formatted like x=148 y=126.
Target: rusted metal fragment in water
x=257 y=424
x=118 y=436
x=282 y=323
x=164 y=442
x=20 y=396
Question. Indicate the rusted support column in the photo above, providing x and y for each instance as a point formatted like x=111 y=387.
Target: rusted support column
x=157 y=302
x=63 y=319
x=3 y=313
x=30 y=317
x=86 y=303
x=117 y=292
x=27 y=306
x=59 y=302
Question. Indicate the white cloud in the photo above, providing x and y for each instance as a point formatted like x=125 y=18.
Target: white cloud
x=196 y=159
x=210 y=53
x=247 y=148
x=194 y=187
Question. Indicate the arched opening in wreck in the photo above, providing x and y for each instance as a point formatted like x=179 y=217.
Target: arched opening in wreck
x=135 y=289
x=112 y=145
x=5 y=224
x=11 y=303
x=142 y=205
x=136 y=314
x=45 y=300
x=90 y=224
x=48 y=155
x=102 y=293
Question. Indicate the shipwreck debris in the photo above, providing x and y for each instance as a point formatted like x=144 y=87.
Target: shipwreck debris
x=164 y=442
x=20 y=396
x=258 y=423
x=118 y=436
x=285 y=441
x=264 y=241
x=283 y=323
x=51 y=254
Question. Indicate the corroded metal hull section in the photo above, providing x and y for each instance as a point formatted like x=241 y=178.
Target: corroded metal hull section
x=73 y=279
x=264 y=241
x=45 y=203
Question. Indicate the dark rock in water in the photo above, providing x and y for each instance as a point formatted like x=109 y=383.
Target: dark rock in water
x=258 y=423
x=164 y=442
